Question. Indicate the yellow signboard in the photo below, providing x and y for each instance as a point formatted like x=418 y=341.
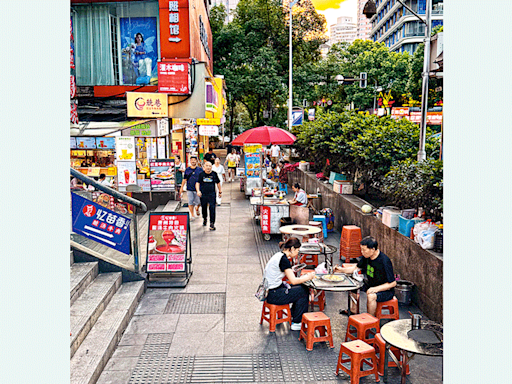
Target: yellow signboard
x=147 y=104
x=253 y=148
x=208 y=121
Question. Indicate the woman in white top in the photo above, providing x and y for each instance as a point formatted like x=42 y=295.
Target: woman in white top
x=280 y=293
x=218 y=168
x=300 y=198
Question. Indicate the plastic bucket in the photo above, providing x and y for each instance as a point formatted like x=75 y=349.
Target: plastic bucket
x=403 y=291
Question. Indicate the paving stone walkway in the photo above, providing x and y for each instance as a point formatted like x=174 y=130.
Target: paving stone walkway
x=209 y=331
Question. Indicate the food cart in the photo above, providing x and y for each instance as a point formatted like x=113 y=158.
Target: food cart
x=253 y=163
x=272 y=210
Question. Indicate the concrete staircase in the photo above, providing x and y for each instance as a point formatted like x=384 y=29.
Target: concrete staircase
x=101 y=308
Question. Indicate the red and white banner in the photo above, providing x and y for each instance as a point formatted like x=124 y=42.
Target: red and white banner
x=174 y=78
x=265 y=219
x=72 y=87
x=399 y=112
x=74 y=112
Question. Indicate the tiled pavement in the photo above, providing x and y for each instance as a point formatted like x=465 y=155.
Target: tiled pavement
x=213 y=335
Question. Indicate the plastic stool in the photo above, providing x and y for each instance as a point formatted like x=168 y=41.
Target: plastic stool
x=363 y=324
x=323 y=220
x=380 y=348
x=275 y=314
x=283 y=187
x=310 y=322
x=319 y=235
x=309 y=259
x=358 y=353
x=320 y=299
x=391 y=306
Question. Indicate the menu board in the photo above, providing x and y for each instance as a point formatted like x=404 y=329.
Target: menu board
x=162 y=175
x=106 y=142
x=125 y=148
x=72 y=144
x=252 y=165
x=86 y=142
x=112 y=203
x=126 y=174
x=167 y=242
x=161 y=147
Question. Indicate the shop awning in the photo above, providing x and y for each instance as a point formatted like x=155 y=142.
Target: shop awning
x=100 y=129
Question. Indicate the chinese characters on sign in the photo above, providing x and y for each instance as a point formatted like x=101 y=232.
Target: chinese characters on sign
x=100 y=224
x=174 y=78
x=162 y=175
x=209 y=130
x=146 y=104
x=174 y=20
x=167 y=242
x=265 y=219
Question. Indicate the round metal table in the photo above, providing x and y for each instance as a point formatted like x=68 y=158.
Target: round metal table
x=399 y=334
x=298 y=230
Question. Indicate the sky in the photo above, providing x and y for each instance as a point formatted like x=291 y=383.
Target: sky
x=332 y=9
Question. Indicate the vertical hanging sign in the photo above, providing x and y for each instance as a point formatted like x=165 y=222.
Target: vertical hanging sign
x=174 y=29
x=72 y=83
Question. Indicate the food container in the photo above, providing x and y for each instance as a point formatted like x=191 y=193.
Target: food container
x=343 y=187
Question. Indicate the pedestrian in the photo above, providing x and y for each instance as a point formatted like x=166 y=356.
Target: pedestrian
x=379 y=283
x=218 y=168
x=103 y=180
x=179 y=166
x=210 y=156
x=281 y=293
x=275 y=153
x=231 y=162
x=205 y=187
x=191 y=175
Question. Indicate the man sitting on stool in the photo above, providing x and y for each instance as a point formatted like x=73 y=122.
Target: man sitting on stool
x=379 y=283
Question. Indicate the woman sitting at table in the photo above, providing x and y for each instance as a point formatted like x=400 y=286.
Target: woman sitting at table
x=281 y=293
x=300 y=198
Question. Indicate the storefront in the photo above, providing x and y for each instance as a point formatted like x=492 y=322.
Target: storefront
x=93 y=156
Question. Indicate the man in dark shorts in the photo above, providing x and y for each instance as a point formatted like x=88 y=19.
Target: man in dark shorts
x=205 y=187
x=379 y=283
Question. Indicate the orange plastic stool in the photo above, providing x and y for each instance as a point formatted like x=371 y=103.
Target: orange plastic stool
x=310 y=322
x=358 y=353
x=391 y=306
x=380 y=347
x=349 y=242
x=309 y=259
x=275 y=314
x=364 y=323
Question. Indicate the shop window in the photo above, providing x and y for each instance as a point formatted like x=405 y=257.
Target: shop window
x=107 y=36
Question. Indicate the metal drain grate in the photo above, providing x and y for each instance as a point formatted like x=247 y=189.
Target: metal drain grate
x=196 y=303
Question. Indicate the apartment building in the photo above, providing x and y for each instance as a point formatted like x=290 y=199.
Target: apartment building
x=398 y=28
x=345 y=30
x=364 y=27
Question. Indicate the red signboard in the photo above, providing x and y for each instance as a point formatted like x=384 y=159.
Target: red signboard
x=433 y=118
x=265 y=219
x=174 y=77
x=174 y=29
x=399 y=112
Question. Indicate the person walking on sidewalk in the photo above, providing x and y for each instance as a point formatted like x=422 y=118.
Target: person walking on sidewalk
x=281 y=293
x=191 y=175
x=231 y=160
x=218 y=168
x=379 y=283
x=210 y=156
x=205 y=187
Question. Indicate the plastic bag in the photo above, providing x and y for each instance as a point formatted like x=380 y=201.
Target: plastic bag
x=426 y=238
x=322 y=268
x=420 y=227
x=262 y=291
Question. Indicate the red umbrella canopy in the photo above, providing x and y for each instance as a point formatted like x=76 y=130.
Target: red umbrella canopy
x=265 y=136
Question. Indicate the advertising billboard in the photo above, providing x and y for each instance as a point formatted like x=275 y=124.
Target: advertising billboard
x=147 y=104
x=174 y=77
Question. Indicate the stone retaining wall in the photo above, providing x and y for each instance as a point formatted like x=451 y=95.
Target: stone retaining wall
x=413 y=263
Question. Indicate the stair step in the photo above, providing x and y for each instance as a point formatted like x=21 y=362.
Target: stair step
x=171 y=206
x=95 y=351
x=82 y=274
x=89 y=306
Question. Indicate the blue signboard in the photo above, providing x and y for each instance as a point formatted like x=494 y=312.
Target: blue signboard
x=297 y=117
x=106 y=142
x=100 y=224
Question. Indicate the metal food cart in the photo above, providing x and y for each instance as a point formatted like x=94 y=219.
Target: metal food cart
x=271 y=210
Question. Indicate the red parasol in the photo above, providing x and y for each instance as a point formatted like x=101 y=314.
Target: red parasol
x=265 y=136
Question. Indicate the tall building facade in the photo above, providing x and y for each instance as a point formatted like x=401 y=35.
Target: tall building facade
x=345 y=30
x=364 y=27
x=398 y=28
x=229 y=5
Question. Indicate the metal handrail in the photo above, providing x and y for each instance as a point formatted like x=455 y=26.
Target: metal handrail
x=112 y=192
x=87 y=180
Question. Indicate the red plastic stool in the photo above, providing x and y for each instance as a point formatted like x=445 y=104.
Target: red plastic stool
x=309 y=259
x=312 y=321
x=275 y=314
x=380 y=348
x=358 y=353
x=391 y=306
x=319 y=301
x=364 y=323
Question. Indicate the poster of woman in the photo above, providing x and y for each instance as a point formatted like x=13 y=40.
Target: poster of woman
x=139 y=50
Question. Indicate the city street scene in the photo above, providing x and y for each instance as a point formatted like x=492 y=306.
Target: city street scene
x=256 y=191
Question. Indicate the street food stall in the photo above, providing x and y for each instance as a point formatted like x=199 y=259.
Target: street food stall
x=93 y=156
x=270 y=211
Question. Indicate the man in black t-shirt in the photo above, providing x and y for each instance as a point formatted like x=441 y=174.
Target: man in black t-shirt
x=210 y=156
x=377 y=268
x=205 y=188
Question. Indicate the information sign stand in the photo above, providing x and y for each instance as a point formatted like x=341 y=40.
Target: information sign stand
x=169 y=249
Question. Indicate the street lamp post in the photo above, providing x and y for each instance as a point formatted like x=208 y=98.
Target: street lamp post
x=370 y=9
x=290 y=94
